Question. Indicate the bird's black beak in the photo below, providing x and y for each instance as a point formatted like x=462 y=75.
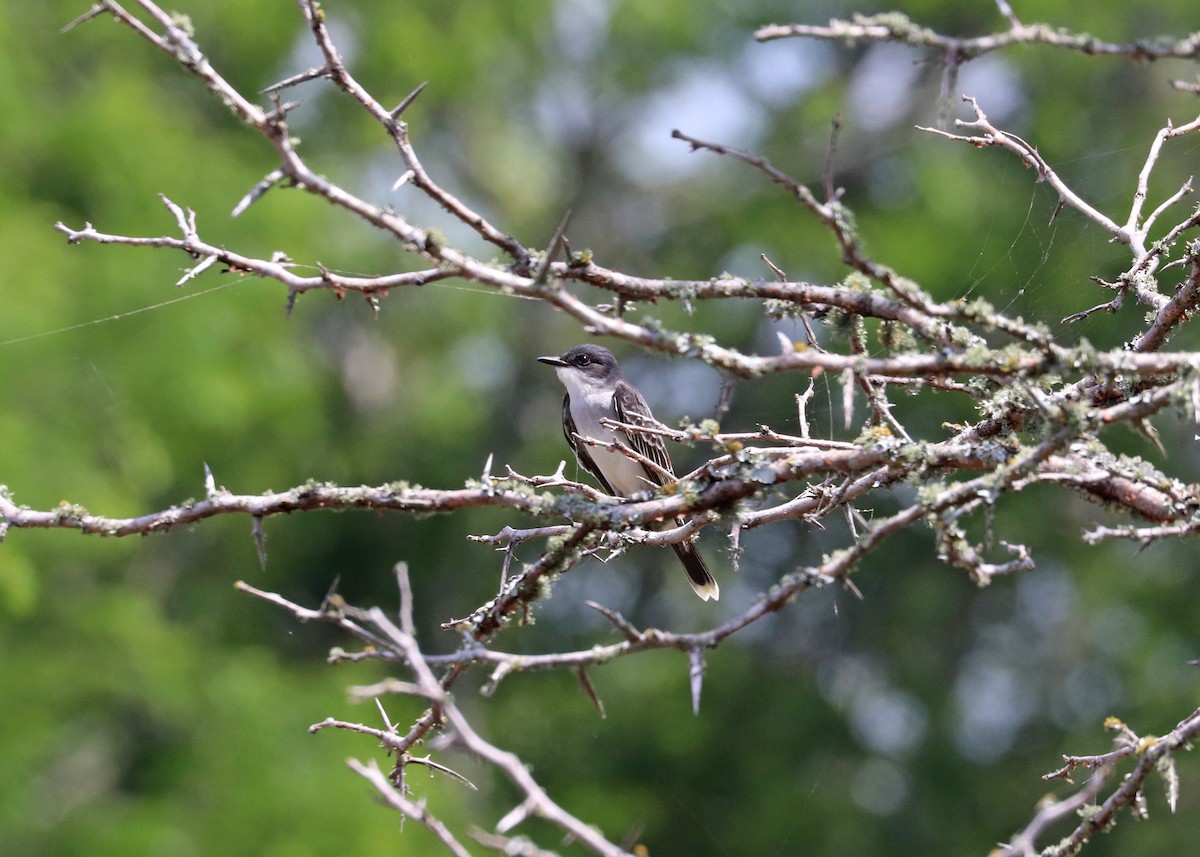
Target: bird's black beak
x=550 y=360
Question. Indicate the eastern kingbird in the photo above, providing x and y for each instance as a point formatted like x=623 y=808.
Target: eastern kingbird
x=596 y=391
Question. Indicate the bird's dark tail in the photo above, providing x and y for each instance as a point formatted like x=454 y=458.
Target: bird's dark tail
x=698 y=574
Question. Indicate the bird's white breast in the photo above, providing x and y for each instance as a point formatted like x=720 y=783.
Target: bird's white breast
x=589 y=404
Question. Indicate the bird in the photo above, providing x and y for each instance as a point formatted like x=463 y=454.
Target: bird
x=596 y=390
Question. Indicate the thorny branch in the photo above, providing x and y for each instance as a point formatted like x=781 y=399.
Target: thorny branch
x=954 y=52
x=1154 y=754
x=444 y=715
x=896 y=27
x=1134 y=231
x=1045 y=408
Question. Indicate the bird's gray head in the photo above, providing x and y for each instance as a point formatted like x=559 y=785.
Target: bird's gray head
x=586 y=364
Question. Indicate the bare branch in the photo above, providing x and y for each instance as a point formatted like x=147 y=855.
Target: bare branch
x=416 y=811
x=1149 y=751
x=895 y=27
x=993 y=136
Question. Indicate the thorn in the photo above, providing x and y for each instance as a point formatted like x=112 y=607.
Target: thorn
x=373 y=302
x=1147 y=429
x=487 y=468
x=192 y=273
x=1008 y=13
x=556 y=240
x=434 y=766
x=590 y=690
x=280 y=111
x=302 y=77
x=802 y=400
x=260 y=540
x=735 y=546
x=848 y=397
x=404 y=584
x=177 y=212
x=331 y=594
x=383 y=716
x=622 y=624
x=404 y=179
x=835 y=128
x=96 y=10
x=696 y=657
x=774 y=268
x=502 y=670
x=258 y=191
x=210 y=482
x=515 y=816
x=1054 y=215
x=408 y=100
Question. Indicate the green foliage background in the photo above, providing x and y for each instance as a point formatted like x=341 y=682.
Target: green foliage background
x=150 y=709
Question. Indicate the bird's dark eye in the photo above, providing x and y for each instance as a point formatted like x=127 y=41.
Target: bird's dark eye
x=583 y=360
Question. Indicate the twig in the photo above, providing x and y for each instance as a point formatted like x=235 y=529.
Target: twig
x=416 y=811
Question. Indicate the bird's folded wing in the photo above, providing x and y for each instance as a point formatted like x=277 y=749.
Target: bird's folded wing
x=632 y=409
